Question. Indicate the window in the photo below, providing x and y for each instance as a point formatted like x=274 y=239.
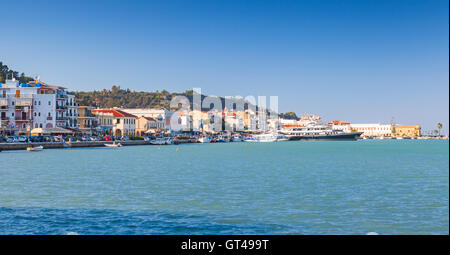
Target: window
x=118 y=121
x=35 y=114
x=49 y=102
x=39 y=102
x=49 y=114
x=39 y=114
x=12 y=114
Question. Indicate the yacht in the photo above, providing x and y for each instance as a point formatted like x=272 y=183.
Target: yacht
x=318 y=131
x=262 y=138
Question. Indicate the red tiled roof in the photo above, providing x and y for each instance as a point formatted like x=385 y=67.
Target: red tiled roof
x=147 y=118
x=292 y=125
x=115 y=113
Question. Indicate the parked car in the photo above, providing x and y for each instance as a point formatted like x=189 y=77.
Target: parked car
x=108 y=138
x=2 y=139
x=48 y=139
x=36 y=139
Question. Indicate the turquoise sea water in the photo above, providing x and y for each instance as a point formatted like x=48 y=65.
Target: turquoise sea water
x=382 y=186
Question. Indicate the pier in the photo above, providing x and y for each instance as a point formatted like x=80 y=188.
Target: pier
x=56 y=145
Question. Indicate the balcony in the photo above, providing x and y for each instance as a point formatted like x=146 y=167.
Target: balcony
x=24 y=102
x=22 y=119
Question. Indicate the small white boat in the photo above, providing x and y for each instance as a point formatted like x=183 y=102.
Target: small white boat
x=237 y=139
x=204 y=139
x=162 y=141
x=113 y=145
x=37 y=148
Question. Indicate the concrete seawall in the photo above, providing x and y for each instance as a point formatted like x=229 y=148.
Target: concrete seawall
x=23 y=146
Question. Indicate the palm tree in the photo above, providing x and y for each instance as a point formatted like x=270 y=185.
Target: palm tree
x=439 y=126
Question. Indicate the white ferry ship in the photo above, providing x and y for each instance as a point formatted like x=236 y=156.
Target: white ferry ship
x=318 y=131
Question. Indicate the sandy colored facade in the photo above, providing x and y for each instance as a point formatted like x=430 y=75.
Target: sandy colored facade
x=408 y=131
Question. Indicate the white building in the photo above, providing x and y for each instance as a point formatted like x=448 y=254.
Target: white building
x=27 y=106
x=372 y=130
x=123 y=124
x=72 y=112
x=160 y=115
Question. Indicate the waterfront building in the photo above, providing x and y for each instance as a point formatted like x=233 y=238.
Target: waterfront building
x=179 y=121
x=31 y=105
x=341 y=125
x=72 y=112
x=116 y=122
x=145 y=124
x=371 y=130
x=250 y=120
x=233 y=121
x=161 y=115
x=87 y=122
x=407 y=130
x=307 y=119
x=104 y=120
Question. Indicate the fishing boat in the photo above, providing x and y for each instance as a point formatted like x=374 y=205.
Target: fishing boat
x=37 y=148
x=113 y=145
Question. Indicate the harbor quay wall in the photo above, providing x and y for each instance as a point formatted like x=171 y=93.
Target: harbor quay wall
x=23 y=146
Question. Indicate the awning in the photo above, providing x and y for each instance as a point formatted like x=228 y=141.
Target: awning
x=37 y=131
x=59 y=130
x=56 y=130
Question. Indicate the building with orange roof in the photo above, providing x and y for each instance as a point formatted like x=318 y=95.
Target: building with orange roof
x=116 y=122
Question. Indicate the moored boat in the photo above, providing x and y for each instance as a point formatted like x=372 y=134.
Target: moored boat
x=162 y=141
x=204 y=139
x=37 y=148
x=113 y=145
x=317 y=131
x=262 y=138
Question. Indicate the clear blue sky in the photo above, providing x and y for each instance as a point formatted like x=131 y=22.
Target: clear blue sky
x=361 y=61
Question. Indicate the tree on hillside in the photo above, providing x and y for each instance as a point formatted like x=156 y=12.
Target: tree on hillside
x=289 y=116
